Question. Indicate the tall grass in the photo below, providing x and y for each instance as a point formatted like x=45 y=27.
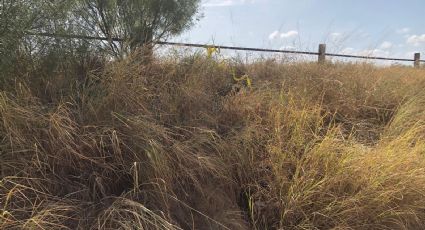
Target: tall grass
x=179 y=144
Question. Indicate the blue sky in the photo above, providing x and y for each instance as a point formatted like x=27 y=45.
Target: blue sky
x=391 y=28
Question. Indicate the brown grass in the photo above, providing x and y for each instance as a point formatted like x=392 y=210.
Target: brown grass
x=179 y=144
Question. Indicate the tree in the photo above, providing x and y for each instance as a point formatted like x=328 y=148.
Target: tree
x=17 y=17
x=138 y=21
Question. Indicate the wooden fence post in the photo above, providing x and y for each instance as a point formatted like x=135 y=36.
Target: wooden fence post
x=322 y=53
x=417 y=60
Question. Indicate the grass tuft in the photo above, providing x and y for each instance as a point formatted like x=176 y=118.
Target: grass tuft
x=183 y=144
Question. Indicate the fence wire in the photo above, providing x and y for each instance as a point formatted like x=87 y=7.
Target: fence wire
x=69 y=36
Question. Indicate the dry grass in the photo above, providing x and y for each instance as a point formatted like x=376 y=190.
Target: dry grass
x=179 y=144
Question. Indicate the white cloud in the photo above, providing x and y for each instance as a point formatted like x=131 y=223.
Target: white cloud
x=404 y=30
x=416 y=40
x=289 y=34
x=386 y=45
x=274 y=35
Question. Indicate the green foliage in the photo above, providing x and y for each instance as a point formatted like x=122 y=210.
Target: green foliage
x=17 y=18
x=140 y=21
x=137 y=21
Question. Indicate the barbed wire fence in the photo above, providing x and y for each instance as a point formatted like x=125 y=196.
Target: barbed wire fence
x=321 y=54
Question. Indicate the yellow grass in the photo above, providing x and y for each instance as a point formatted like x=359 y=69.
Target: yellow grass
x=181 y=144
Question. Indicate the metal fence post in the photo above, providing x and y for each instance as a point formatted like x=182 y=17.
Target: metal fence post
x=322 y=53
x=417 y=60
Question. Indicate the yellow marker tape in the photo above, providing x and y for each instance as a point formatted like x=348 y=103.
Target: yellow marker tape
x=248 y=81
x=212 y=50
x=244 y=77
